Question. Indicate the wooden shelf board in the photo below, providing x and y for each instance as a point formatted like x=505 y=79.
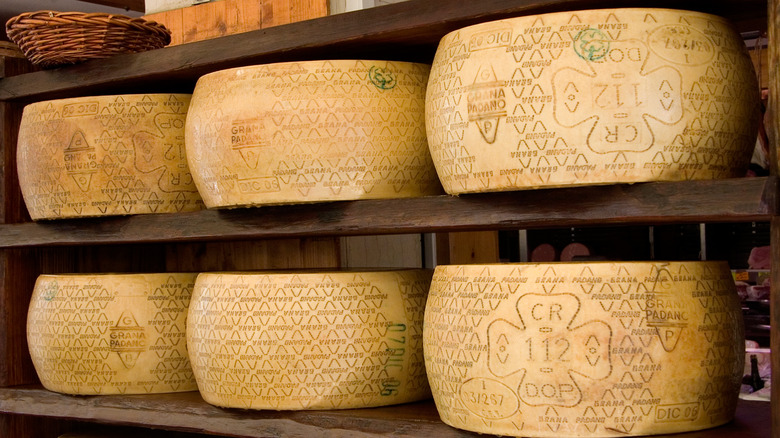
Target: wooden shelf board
x=404 y=31
x=734 y=200
x=188 y=412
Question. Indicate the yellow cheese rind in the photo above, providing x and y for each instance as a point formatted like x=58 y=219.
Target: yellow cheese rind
x=288 y=341
x=591 y=97
x=310 y=131
x=111 y=333
x=584 y=349
x=105 y=155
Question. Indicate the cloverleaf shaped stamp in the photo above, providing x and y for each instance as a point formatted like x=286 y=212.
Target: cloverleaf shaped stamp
x=551 y=350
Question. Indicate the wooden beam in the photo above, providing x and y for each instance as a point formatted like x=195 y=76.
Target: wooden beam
x=188 y=412
x=734 y=200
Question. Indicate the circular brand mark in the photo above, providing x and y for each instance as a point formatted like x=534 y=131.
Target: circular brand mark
x=591 y=44
x=382 y=78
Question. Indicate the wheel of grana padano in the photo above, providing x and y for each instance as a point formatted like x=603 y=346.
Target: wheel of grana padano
x=111 y=333
x=584 y=349
x=105 y=155
x=591 y=97
x=310 y=132
x=327 y=340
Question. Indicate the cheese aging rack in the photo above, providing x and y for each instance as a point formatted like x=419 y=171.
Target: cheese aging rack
x=211 y=240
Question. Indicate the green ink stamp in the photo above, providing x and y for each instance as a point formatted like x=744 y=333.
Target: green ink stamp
x=382 y=78
x=50 y=291
x=591 y=44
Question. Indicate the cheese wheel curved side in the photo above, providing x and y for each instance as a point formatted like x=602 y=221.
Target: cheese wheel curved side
x=584 y=349
x=289 y=341
x=311 y=131
x=111 y=333
x=105 y=155
x=591 y=97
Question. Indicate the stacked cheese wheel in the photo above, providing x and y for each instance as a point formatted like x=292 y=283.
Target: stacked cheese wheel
x=310 y=131
x=584 y=349
x=105 y=155
x=309 y=340
x=591 y=97
x=111 y=333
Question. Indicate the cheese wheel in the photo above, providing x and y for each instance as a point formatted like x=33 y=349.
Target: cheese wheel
x=591 y=97
x=584 y=349
x=105 y=155
x=328 y=340
x=309 y=132
x=111 y=333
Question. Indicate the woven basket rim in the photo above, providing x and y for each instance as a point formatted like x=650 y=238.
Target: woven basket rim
x=48 y=16
x=39 y=34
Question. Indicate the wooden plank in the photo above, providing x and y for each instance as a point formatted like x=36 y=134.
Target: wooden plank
x=734 y=200
x=217 y=19
x=254 y=255
x=395 y=251
x=469 y=247
x=405 y=31
x=99 y=431
x=301 y=10
x=275 y=12
x=32 y=427
x=187 y=412
x=244 y=16
x=16 y=280
x=12 y=207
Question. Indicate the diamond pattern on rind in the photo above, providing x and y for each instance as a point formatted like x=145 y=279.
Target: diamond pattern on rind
x=308 y=139
x=76 y=335
x=636 y=395
x=594 y=86
x=330 y=341
x=136 y=144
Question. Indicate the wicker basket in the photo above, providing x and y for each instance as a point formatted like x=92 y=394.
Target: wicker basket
x=50 y=38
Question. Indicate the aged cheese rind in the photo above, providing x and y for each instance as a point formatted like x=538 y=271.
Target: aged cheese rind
x=288 y=341
x=111 y=333
x=584 y=349
x=105 y=155
x=591 y=97
x=310 y=131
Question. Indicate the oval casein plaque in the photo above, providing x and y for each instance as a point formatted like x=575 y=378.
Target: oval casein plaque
x=111 y=333
x=310 y=131
x=591 y=97
x=105 y=155
x=326 y=340
x=584 y=349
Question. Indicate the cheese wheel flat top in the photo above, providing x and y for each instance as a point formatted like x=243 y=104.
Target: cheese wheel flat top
x=584 y=349
x=310 y=131
x=111 y=333
x=326 y=340
x=105 y=155
x=591 y=97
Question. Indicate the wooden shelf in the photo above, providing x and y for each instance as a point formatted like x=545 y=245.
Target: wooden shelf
x=404 y=31
x=735 y=200
x=188 y=412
